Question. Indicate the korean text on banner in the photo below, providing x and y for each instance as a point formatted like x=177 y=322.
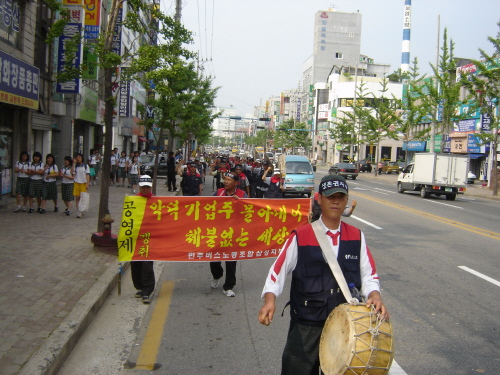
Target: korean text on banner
x=207 y=228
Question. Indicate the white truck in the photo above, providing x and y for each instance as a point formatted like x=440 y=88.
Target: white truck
x=432 y=173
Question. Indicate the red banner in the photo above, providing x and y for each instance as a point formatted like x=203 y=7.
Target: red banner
x=207 y=228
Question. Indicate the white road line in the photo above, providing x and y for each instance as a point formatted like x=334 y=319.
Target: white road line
x=396 y=369
x=389 y=191
x=446 y=204
x=478 y=274
x=366 y=222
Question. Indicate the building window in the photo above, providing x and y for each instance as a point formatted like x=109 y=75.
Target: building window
x=323 y=48
x=323 y=22
x=322 y=41
x=339 y=55
x=351 y=35
x=323 y=35
x=323 y=29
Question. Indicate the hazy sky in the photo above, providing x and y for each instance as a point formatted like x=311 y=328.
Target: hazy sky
x=256 y=49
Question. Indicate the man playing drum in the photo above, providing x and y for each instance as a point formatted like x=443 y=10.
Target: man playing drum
x=314 y=291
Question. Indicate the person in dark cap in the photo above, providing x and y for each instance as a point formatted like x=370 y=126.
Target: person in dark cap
x=261 y=186
x=313 y=280
x=230 y=189
x=192 y=183
x=143 y=275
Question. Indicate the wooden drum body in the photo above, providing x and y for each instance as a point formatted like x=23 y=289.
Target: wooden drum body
x=355 y=341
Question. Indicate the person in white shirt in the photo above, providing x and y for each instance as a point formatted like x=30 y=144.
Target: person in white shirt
x=313 y=280
x=122 y=169
x=36 y=181
x=134 y=173
x=114 y=166
x=93 y=166
x=67 y=184
x=81 y=173
x=50 y=172
x=22 y=182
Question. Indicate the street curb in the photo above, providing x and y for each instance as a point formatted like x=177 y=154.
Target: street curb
x=53 y=353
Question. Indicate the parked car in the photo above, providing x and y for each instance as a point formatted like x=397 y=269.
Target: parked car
x=365 y=166
x=471 y=177
x=390 y=167
x=148 y=165
x=401 y=164
x=344 y=169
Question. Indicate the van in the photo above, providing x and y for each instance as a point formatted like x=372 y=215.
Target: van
x=298 y=174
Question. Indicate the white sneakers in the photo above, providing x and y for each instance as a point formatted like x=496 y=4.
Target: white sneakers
x=229 y=293
x=214 y=283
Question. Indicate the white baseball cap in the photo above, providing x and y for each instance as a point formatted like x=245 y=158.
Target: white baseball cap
x=145 y=180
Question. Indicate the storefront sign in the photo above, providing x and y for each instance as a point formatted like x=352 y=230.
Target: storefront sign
x=124 y=105
x=10 y=16
x=19 y=82
x=72 y=86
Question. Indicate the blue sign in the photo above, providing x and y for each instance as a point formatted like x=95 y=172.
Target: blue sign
x=19 y=82
x=414 y=146
x=72 y=86
x=464 y=126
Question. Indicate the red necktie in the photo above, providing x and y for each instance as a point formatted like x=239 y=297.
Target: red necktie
x=334 y=237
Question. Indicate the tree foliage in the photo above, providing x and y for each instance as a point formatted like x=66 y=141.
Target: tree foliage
x=483 y=88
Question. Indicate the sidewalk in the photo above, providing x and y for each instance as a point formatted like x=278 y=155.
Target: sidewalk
x=472 y=190
x=53 y=280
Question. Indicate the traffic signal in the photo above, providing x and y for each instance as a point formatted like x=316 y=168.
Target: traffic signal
x=264 y=119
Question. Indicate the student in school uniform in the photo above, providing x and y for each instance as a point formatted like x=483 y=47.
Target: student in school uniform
x=122 y=169
x=36 y=182
x=134 y=173
x=67 y=184
x=81 y=173
x=22 y=182
x=50 y=172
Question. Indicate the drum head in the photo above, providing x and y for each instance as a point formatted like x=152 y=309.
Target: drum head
x=347 y=345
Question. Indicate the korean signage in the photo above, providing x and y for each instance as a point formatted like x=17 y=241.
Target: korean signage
x=19 y=82
x=10 y=16
x=89 y=105
x=298 y=109
x=91 y=33
x=72 y=86
x=124 y=105
x=465 y=126
x=207 y=228
x=117 y=34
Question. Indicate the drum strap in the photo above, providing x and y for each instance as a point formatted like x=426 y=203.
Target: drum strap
x=332 y=262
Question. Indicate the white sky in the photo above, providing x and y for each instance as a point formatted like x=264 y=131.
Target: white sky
x=256 y=49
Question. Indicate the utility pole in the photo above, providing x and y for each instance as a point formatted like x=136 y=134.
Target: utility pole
x=178 y=10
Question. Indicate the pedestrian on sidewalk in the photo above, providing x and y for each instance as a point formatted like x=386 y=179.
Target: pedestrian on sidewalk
x=36 y=182
x=122 y=169
x=380 y=165
x=171 y=172
x=92 y=166
x=67 y=184
x=81 y=173
x=50 y=173
x=143 y=275
x=230 y=189
x=134 y=173
x=22 y=182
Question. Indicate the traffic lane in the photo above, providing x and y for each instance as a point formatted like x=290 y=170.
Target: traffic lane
x=208 y=332
x=476 y=212
x=430 y=299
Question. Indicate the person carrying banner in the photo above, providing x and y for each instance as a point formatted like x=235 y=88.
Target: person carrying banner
x=313 y=280
x=143 y=275
x=230 y=189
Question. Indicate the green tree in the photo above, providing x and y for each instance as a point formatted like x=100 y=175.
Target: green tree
x=292 y=134
x=441 y=93
x=160 y=26
x=483 y=88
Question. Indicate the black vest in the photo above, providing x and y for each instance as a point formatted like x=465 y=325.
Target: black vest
x=314 y=291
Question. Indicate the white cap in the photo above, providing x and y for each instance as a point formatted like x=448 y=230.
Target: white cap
x=145 y=180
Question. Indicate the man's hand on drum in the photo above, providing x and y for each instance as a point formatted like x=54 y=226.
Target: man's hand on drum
x=266 y=313
x=375 y=300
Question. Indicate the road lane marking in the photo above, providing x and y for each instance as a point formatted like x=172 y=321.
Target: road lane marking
x=152 y=339
x=478 y=274
x=454 y=223
x=447 y=204
x=385 y=190
x=396 y=369
x=366 y=222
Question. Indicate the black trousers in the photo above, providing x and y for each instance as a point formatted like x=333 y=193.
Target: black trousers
x=143 y=276
x=301 y=353
x=171 y=180
x=218 y=272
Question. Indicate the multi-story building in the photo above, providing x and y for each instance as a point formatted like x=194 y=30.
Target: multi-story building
x=25 y=84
